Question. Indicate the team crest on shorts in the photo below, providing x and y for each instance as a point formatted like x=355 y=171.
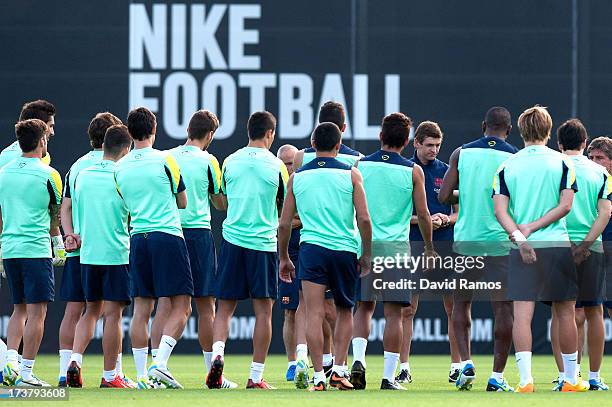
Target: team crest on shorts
x=285 y=300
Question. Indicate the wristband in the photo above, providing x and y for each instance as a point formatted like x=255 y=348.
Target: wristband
x=519 y=236
x=57 y=241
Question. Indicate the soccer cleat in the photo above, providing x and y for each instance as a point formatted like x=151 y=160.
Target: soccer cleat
x=358 y=376
x=404 y=377
x=143 y=383
x=261 y=385
x=131 y=384
x=391 y=385
x=163 y=375
x=33 y=382
x=214 y=379
x=227 y=383
x=496 y=385
x=301 y=374
x=73 y=377
x=327 y=369
x=597 y=384
x=466 y=377
x=528 y=388
x=340 y=382
x=10 y=374
x=453 y=375
x=579 y=387
x=321 y=386
x=62 y=382
x=290 y=375
x=116 y=383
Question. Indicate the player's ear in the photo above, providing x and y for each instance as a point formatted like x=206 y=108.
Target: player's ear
x=484 y=127
x=338 y=145
x=343 y=129
x=508 y=131
x=380 y=136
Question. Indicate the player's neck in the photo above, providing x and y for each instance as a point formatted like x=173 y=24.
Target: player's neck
x=328 y=154
x=33 y=154
x=422 y=159
x=200 y=144
x=147 y=143
x=573 y=152
x=109 y=158
x=392 y=149
x=259 y=143
x=500 y=136
x=536 y=143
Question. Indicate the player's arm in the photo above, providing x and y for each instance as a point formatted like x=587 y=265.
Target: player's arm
x=286 y=267
x=500 y=209
x=176 y=181
x=603 y=217
x=364 y=223
x=450 y=183
x=215 y=195
x=419 y=199
x=54 y=187
x=283 y=179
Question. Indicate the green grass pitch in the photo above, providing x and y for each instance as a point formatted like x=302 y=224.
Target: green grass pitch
x=430 y=386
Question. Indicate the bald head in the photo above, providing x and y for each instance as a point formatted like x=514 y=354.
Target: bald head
x=497 y=122
x=286 y=153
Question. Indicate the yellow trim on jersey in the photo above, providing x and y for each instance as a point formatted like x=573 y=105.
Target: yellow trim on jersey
x=56 y=182
x=175 y=170
x=46 y=159
x=222 y=184
x=216 y=172
x=608 y=185
x=284 y=173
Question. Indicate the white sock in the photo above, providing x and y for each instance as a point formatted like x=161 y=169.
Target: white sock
x=207 y=359
x=594 y=375
x=291 y=363
x=3 y=350
x=154 y=353
x=301 y=351
x=27 y=366
x=119 y=365
x=391 y=360
x=359 y=350
x=523 y=361
x=328 y=359
x=109 y=375
x=64 y=355
x=19 y=360
x=77 y=357
x=499 y=376
x=256 y=372
x=455 y=366
x=140 y=361
x=218 y=349
x=405 y=366
x=166 y=346
x=561 y=376
x=466 y=362
x=577 y=368
x=12 y=357
x=319 y=377
x=569 y=367
x=339 y=370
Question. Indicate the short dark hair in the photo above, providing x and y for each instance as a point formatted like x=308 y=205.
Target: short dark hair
x=332 y=112
x=259 y=123
x=427 y=129
x=38 y=109
x=141 y=122
x=117 y=138
x=571 y=134
x=98 y=126
x=603 y=143
x=29 y=132
x=498 y=118
x=202 y=122
x=395 y=130
x=326 y=136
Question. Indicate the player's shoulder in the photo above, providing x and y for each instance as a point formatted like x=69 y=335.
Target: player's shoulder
x=388 y=158
x=324 y=163
x=491 y=143
x=346 y=150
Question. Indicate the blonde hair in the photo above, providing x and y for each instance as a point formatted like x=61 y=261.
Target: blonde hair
x=427 y=129
x=535 y=124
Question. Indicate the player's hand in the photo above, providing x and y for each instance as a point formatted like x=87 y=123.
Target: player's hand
x=59 y=251
x=525 y=230
x=430 y=259
x=527 y=253
x=2 y=272
x=436 y=221
x=73 y=242
x=286 y=270
x=580 y=254
x=365 y=265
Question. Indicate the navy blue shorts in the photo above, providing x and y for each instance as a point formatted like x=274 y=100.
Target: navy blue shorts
x=203 y=260
x=159 y=266
x=106 y=283
x=246 y=273
x=31 y=280
x=334 y=269
x=552 y=278
x=591 y=281
x=289 y=293
x=71 y=289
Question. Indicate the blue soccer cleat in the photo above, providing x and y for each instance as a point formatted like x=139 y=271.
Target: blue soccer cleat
x=290 y=376
x=496 y=385
x=597 y=384
x=466 y=377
